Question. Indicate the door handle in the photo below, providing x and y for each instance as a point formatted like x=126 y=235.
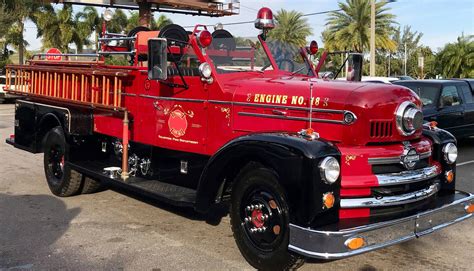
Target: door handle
x=279 y=112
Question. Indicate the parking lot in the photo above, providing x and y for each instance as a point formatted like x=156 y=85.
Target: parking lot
x=110 y=230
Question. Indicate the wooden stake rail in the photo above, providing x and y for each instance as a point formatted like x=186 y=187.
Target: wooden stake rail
x=96 y=87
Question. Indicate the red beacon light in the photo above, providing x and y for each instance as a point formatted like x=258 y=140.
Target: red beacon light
x=204 y=38
x=313 y=48
x=264 y=19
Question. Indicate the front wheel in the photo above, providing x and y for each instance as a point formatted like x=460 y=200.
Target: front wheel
x=260 y=220
x=62 y=181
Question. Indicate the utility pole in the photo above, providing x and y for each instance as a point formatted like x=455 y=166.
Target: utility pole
x=372 y=37
x=405 y=60
x=389 y=64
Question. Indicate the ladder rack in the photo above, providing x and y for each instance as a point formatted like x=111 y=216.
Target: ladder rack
x=92 y=86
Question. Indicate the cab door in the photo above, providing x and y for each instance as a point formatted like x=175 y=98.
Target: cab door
x=451 y=110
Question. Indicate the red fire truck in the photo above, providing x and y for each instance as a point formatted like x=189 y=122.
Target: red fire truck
x=308 y=167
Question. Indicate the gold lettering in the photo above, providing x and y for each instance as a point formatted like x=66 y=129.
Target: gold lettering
x=278 y=99
x=284 y=100
x=300 y=100
x=256 y=98
x=262 y=98
x=294 y=99
x=268 y=99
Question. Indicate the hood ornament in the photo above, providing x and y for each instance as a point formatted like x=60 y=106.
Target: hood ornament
x=309 y=133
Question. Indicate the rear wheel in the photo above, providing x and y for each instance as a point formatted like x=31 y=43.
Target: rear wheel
x=260 y=220
x=91 y=186
x=62 y=181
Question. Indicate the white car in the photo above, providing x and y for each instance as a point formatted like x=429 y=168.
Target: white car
x=377 y=79
x=3 y=94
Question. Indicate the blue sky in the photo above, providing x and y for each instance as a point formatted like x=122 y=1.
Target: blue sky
x=440 y=21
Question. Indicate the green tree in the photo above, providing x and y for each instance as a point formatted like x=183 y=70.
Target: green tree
x=59 y=28
x=349 y=29
x=456 y=60
x=162 y=21
x=21 y=10
x=411 y=39
x=133 y=21
x=291 y=28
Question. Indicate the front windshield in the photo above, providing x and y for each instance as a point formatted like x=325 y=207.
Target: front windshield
x=243 y=55
x=238 y=55
x=289 y=57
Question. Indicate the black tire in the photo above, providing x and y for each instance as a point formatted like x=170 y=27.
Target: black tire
x=258 y=186
x=176 y=36
x=62 y=181
x=91 y=186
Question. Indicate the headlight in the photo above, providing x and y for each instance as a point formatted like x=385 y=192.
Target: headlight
x=330 y=169
x=409 y=118
x=205 y=70
x=450 y=152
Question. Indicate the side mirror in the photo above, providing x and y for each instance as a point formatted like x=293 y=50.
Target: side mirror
x=157 y=59
x=355 y=67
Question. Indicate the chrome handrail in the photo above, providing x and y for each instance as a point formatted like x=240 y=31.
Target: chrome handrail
x=411 y=176
x=390 y=200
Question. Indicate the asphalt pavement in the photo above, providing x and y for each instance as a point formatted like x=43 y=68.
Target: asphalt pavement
x=112 y=231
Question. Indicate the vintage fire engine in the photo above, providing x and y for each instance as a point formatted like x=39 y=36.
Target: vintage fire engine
x=309 y=167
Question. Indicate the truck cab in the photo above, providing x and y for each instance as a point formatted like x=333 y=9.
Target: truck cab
x=306 y=167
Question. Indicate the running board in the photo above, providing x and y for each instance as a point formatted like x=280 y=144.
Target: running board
x=169 y=193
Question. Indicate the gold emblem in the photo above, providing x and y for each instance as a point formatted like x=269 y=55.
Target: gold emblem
x=349 y=158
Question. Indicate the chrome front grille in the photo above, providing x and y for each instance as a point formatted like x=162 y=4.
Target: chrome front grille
x=381 y=129
x=391 y=200
x=397 y=189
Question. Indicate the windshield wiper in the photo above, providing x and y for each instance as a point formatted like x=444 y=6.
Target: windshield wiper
x=298 y=70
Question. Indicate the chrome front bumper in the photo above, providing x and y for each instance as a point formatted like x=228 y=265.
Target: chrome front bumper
x=329 y=244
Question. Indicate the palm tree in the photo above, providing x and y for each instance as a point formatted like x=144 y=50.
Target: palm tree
x=59 y=28
x=22 y=10
x=456 y=60
x=89 y=22
x=133 y=21
x=291 y=28
x=162 y=21
x=349 y=29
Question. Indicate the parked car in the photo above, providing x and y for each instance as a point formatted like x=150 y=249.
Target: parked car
x=470 y=81
x=405 y=77
x=379 y=79
x=448 y=102
x=3 y=94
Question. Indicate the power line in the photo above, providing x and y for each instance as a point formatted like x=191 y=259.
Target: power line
x=251 y=22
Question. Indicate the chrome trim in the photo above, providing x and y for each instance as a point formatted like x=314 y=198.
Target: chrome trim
x=399 y=115
x=391 y=200
x=353 y=116
x=291 y=118
x=288 y=117
x=445 y=152
x=324 y=244
x=393 y=159
x=410 y=176
x=323 y=167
